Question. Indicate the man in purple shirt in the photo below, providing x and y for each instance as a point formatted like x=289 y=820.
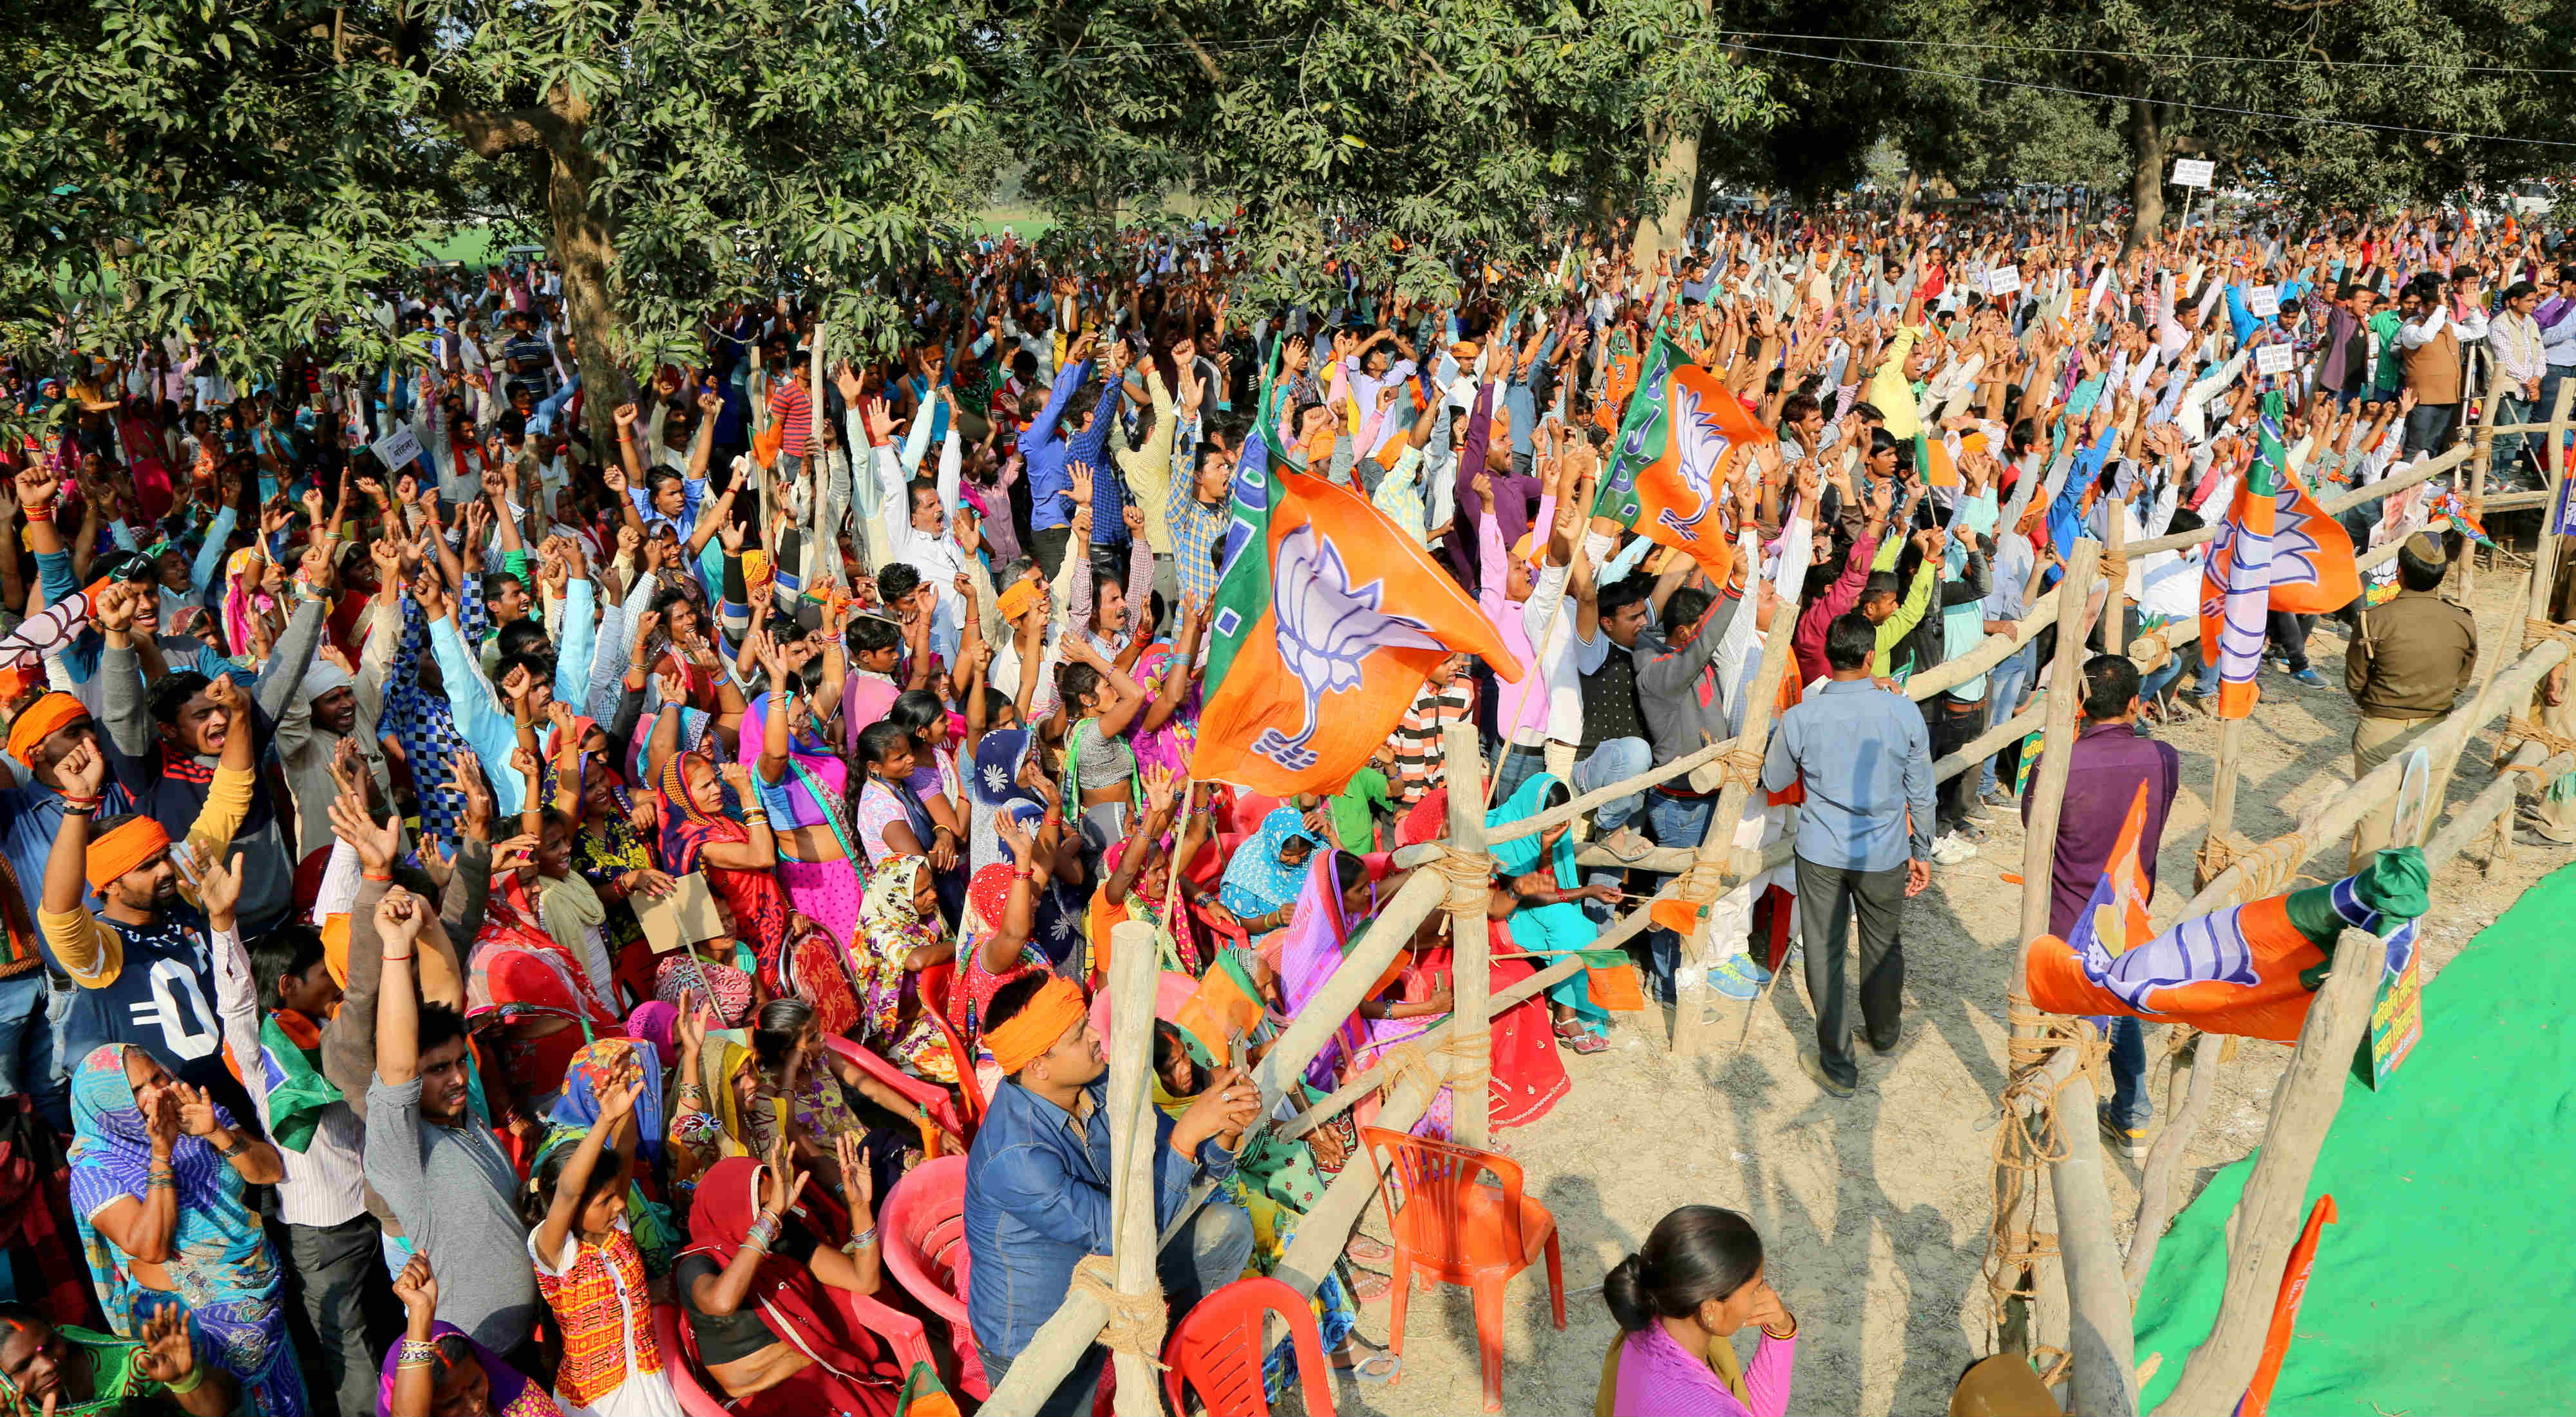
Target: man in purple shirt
x=2103 y=774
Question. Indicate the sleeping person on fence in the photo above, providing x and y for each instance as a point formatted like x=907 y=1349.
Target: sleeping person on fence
x=1038 y=1181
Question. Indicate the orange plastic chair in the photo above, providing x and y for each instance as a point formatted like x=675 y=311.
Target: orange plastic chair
x=936 y=983
x=921 y=1229
x=1217 y=1350
x=1458 y=1231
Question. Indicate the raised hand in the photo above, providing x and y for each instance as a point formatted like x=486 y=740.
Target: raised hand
x=219 y=885
x=83 y=770
x=167 y=1355
x=417 y=1287
x=196 y=1112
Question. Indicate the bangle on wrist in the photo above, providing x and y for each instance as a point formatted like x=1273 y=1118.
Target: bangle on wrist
x=375 y=875
x=1769 y=1332
x=188 y=1384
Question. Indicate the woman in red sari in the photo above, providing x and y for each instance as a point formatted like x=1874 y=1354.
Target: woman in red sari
x=776 y=1325
x=538 y=1003
x=739 y=860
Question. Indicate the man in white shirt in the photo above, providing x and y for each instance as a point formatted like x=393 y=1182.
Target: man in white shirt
x=2521 y=362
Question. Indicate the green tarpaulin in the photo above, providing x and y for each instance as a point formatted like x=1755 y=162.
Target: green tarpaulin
x=2448 y=1286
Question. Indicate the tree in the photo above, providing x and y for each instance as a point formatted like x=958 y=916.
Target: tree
x=259 y=168
x=1481 y=130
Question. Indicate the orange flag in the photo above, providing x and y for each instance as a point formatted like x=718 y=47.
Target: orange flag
x=1681 y=490
x=1356 y=618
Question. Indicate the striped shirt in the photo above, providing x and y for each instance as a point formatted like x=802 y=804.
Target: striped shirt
x=795 y=408
x=600 y=1303
x=326 y=1183
x=1417 y=738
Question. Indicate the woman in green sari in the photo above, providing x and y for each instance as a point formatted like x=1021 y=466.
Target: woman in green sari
x=62 y=1371
x=1548 y=917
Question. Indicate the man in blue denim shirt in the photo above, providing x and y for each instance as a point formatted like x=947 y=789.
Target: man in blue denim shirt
x=1037 y=1180
x=1864 y=839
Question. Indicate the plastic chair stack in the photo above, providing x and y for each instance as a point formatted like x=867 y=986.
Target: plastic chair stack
x=921 y=1229
x=1456 y=1230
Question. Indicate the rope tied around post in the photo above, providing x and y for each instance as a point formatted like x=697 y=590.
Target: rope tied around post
x=2150 y=651
x=2536 y=631
x=2519 y=730
x=2032 y=1136
x=1470 y=875
x=2218 y=851
x=1701 y=882
x=2115 y=569
x=1136 y=1321
x=1744 y=767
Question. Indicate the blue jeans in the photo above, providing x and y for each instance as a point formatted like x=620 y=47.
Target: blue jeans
x=2509 y=410
x=1611 y=761
x=1677 y=822
x=28 y=1062
x=2004 y=684
x=1206 y=1256
x=2129 y=1105
x=2549 y=382
x=1518 y=765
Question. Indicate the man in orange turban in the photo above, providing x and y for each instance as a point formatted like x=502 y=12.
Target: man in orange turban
x=1037 y=1178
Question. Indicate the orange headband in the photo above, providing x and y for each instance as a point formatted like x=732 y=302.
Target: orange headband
x=1035 y=1029
x=1016 y=600
x=123 y=849
x=50 y=714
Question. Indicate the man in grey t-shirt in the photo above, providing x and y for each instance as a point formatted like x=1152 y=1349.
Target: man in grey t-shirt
x=442 y=1171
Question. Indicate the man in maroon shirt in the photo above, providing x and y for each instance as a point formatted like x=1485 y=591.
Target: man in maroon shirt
x=2103 y=773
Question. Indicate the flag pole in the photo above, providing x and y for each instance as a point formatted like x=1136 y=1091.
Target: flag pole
x=1470 y=942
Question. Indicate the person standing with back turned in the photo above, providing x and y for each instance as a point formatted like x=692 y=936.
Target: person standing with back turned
x=1864 y=839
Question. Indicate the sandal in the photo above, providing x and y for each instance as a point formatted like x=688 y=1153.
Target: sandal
x=1367 y=1284
x=1368 y=1251
x=1378 y=1367
x=1582 y=1040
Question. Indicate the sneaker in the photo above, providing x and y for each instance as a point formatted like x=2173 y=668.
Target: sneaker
x=1950 y=851
x=1732 y=978
x=1997 y=797
x=2309 y=677
x=2130 y=1142
x=1815 y=1067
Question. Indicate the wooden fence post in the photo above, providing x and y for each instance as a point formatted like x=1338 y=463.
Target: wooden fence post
x=2048 y=792
x=2269 y=1216
x=2483 y=445
x=1470 y=943
x=1134 y=964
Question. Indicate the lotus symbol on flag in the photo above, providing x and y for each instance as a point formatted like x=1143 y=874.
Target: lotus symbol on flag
x=1327 y=626
x=1698 y=447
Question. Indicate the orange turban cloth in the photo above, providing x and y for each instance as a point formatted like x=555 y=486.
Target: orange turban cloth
x=123 y=849
x=1035 y=1029
x=1015 y=600
x=50 y=714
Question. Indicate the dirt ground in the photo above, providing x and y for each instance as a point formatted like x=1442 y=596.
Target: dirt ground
x=1874 y=1209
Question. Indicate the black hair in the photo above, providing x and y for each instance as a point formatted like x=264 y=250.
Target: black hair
x=1851 y=642
x=2110 y=682
x=915 y=711
x=1685 y=607
x=1619 y=595
x=775 y=1030
x=1799 y=406
x=871 y=634
x=663 y=602
x=439 y=1026
x=171 y=692
x=879 y=740
x=540 y=669
x=659 y=478
x=1693 y=1255
x=912 y=494
x=2419 y=575
x=1077 y=408
x=1075 y=683
x=1168 y=1045
x=496 y=581
x=288 y=949
x=897 y=580
x=526 y=638
x=1882 y=583
x=1868 y=412
x=607 y=1173
x=1348 y=871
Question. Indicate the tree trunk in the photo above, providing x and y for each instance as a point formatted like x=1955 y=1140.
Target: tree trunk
x=1664 y=224
x=582 y=244
x=2147 y=147
x=1905 y=198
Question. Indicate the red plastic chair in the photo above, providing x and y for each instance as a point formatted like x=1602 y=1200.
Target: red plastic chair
x=936 y=983
x=942 y=1107
x=921 y=1228
x=1458 y=1231
x=1217 y=1350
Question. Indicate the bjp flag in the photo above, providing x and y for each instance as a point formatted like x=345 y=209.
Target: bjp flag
x=1351 y=619
x=1668 y=475
x=2276 y=550
x=2250 y=970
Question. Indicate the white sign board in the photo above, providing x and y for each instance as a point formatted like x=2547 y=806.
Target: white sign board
x=2193 y=171
x=2263 y=301
x=2003 y=280
x=397 y=450
x=2272 y=359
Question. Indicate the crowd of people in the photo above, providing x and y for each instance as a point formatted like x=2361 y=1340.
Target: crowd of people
x=482 y=870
